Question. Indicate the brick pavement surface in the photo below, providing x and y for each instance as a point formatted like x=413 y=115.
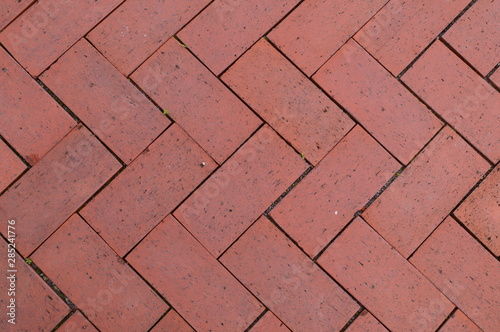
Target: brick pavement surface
x=259 y=165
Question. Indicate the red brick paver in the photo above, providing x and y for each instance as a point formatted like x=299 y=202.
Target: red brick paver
x=288 y=101
x=226 y=28
x=11 y=9
x=461 y=269
x=365 y=322
x=36 y=308
x=77 y=322
x=193 y=281
x=383 y=281
x=49 y=27
x=475 y=36
x=460 y=96
x=227 y=203
x=287 y=281
x=402 y=29
x=251 y=165
x=341 y=184
x=196 y=100
x=426 y=192
x=154 y=184
x=137 y=28
x=458 y=322
x=101 y=285
x=306 y=37
x=172 y=322
x=56 y=187
x=10 y=167
x=30 y=120
x=481 y=211
x=269 y=322
x=386 y=109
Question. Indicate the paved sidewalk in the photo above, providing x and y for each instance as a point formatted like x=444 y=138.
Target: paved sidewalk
x=250 y=165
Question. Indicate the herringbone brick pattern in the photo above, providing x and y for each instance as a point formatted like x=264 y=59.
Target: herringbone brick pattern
x=250 y=165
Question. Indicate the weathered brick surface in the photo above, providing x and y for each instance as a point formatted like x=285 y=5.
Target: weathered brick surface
x=148 y=25
x=172 y=322
x=306 y=37
x=466 y=273
x=458 y=322
x=226 y=28
x=402 y=29
x=426 y=192
x=301 y=168
x=475 y=36
x=240 y=191
x=10 y=167
x=341 y=184
x=30 y=120
x=77 y=323
x=365 y=322
x=460 y=96
x=149 y=189
x=12 y=8
x=287 y=281
x=288 y=101
x=398 y=120
x=269 y=322
x=48 y=28
x=58 y=185
x=123 y=118
x=192 y=280
x=383 y=281
x=480 y=212
x=100 y=284
x=196 y=100
x=36 y=308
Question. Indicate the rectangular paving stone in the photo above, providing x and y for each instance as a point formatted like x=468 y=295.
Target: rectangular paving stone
x=226 y=29
x=148 y=190
x=397 y=119
x=495 y=78
x=480 y=212
x=287 y=281
x=10 y=166
x=327 y=198
x=172 y=322
x=269 y=322
x=58 y=185
x=48 y=28
x=240 y=191
x=137 y=28
x=464 y=99
x=96 y=280
x=383 y=281
x=125 y=120
x=192 y=280
x=77 y=322
x=288 y=101
x=306 y=37
x=30 y=120
x=197 y=101
x=426 y=191
x=10 y=10
x=37 y=307
x=402 y=29
x=464 y=271
x=458 y=322
x=365 y=322
x=475 y=35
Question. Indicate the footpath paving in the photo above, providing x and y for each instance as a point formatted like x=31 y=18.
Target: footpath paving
x=250 y=165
